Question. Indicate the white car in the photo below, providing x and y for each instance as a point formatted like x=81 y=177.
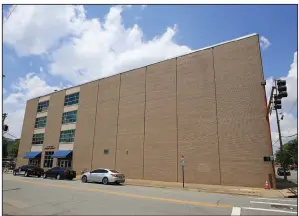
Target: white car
x=104 y=176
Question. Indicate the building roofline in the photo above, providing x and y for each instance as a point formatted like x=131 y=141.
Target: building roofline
x=194 y=51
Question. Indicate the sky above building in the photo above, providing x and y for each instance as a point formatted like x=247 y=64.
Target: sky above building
x=51 y=47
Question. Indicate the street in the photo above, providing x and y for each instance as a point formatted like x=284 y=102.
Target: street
x=37 y=196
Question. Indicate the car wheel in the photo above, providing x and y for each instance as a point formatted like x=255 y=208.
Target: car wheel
x=14 y=173
x=45 y=176
x=38 y=176
x=84 y=179
x=105 y=181
x=71 y=179
x=58 y=177
x=26 y=174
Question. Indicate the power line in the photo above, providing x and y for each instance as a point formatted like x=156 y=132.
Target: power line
x=293 y=106
x=291 y=135
x=12 y=10
x=11 y=135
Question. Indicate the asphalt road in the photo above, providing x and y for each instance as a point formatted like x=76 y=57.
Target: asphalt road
x=37 y=196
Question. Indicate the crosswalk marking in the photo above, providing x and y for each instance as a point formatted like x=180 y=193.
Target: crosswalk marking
x=281 y=200
x=269 y=210
x=282 y=204
x=236 y=211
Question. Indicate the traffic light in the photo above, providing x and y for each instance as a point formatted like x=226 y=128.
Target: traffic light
x=5 y=128
x=277 y=102
x=282 y=88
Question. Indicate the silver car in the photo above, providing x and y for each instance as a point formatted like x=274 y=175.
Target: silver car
x=104 y=176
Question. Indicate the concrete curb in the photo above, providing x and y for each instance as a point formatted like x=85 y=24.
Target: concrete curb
x=199 y=190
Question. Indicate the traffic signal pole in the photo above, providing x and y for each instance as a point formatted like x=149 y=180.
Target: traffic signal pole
x=280 y=140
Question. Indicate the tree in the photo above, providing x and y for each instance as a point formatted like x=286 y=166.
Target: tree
x=13 y=149
x=4 y=147
x=290 y=150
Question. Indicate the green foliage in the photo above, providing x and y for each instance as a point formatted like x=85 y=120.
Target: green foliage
x=13 y=149
x=4 y=147
x=290 y=150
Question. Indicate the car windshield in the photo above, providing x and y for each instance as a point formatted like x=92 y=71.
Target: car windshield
x=114 y=171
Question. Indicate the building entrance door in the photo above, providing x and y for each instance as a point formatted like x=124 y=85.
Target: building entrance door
x=63 y=163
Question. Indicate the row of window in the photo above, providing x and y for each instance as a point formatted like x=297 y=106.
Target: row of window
x=48 y=161
x=67 y=117
x=69 y=100
x=67 y=136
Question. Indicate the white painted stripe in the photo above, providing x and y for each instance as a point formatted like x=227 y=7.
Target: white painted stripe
x=281 y=200
x=269 y=210
x=236 y=211
x=283 y=204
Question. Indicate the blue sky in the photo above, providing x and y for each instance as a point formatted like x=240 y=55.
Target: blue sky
x=197 y=27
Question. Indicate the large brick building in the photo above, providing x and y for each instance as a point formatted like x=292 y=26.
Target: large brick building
x=209 y=105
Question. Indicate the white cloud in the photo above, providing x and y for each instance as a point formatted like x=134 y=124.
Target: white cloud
x=79 y=49
x=14 y=104
x=34 y=29
x=264 y=42
x=93 y=49
x=106 y=47
x=289 y=122
x=41 y=69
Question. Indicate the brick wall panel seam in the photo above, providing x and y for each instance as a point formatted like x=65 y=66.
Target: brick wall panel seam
x=119 y=87
x=145 y=76
x=177 y=118
x=220 y=181
x=95 y=124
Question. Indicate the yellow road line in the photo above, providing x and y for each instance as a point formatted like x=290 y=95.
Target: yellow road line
x=128 y=194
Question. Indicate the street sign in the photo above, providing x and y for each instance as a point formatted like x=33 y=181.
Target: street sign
x=182 y=160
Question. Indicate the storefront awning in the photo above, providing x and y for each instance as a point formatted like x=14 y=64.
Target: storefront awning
x=61 y=153
x=31 y=155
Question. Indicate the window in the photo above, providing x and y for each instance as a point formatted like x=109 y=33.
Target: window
x=41 y=122
x=103 y=171
x=64 y=163
x=106 y=151
x=48 y=162
x=71 y=99
x=38 y=138
x=67 y=136
x=69 y=117
x=43 y=106
x=96 y=171
x=34 y=162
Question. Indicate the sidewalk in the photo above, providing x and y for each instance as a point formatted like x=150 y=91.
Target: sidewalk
x=246 y=191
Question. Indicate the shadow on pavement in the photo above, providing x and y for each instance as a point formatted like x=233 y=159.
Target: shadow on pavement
x=284 y=184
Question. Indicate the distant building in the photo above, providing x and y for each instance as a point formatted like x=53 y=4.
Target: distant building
x=209 y=106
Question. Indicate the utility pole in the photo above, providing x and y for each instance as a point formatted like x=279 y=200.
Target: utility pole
x=4 y=126
x=281 y=92
x=281 y=145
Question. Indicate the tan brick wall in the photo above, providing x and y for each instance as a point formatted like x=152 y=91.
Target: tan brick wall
x=86 y=115
x=197 y=122
x=53 y=126
x=106 y=123
x=160 y=147
x=241 y=114
x=129 y=156
x=27 y=131
x=218 y=111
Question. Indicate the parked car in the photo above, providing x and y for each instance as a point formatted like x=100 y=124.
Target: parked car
x=27 y=171
x=60 y=173
x=104 y=176
x=280 y=171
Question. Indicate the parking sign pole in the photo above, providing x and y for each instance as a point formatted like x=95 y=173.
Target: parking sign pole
x=183 y=171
